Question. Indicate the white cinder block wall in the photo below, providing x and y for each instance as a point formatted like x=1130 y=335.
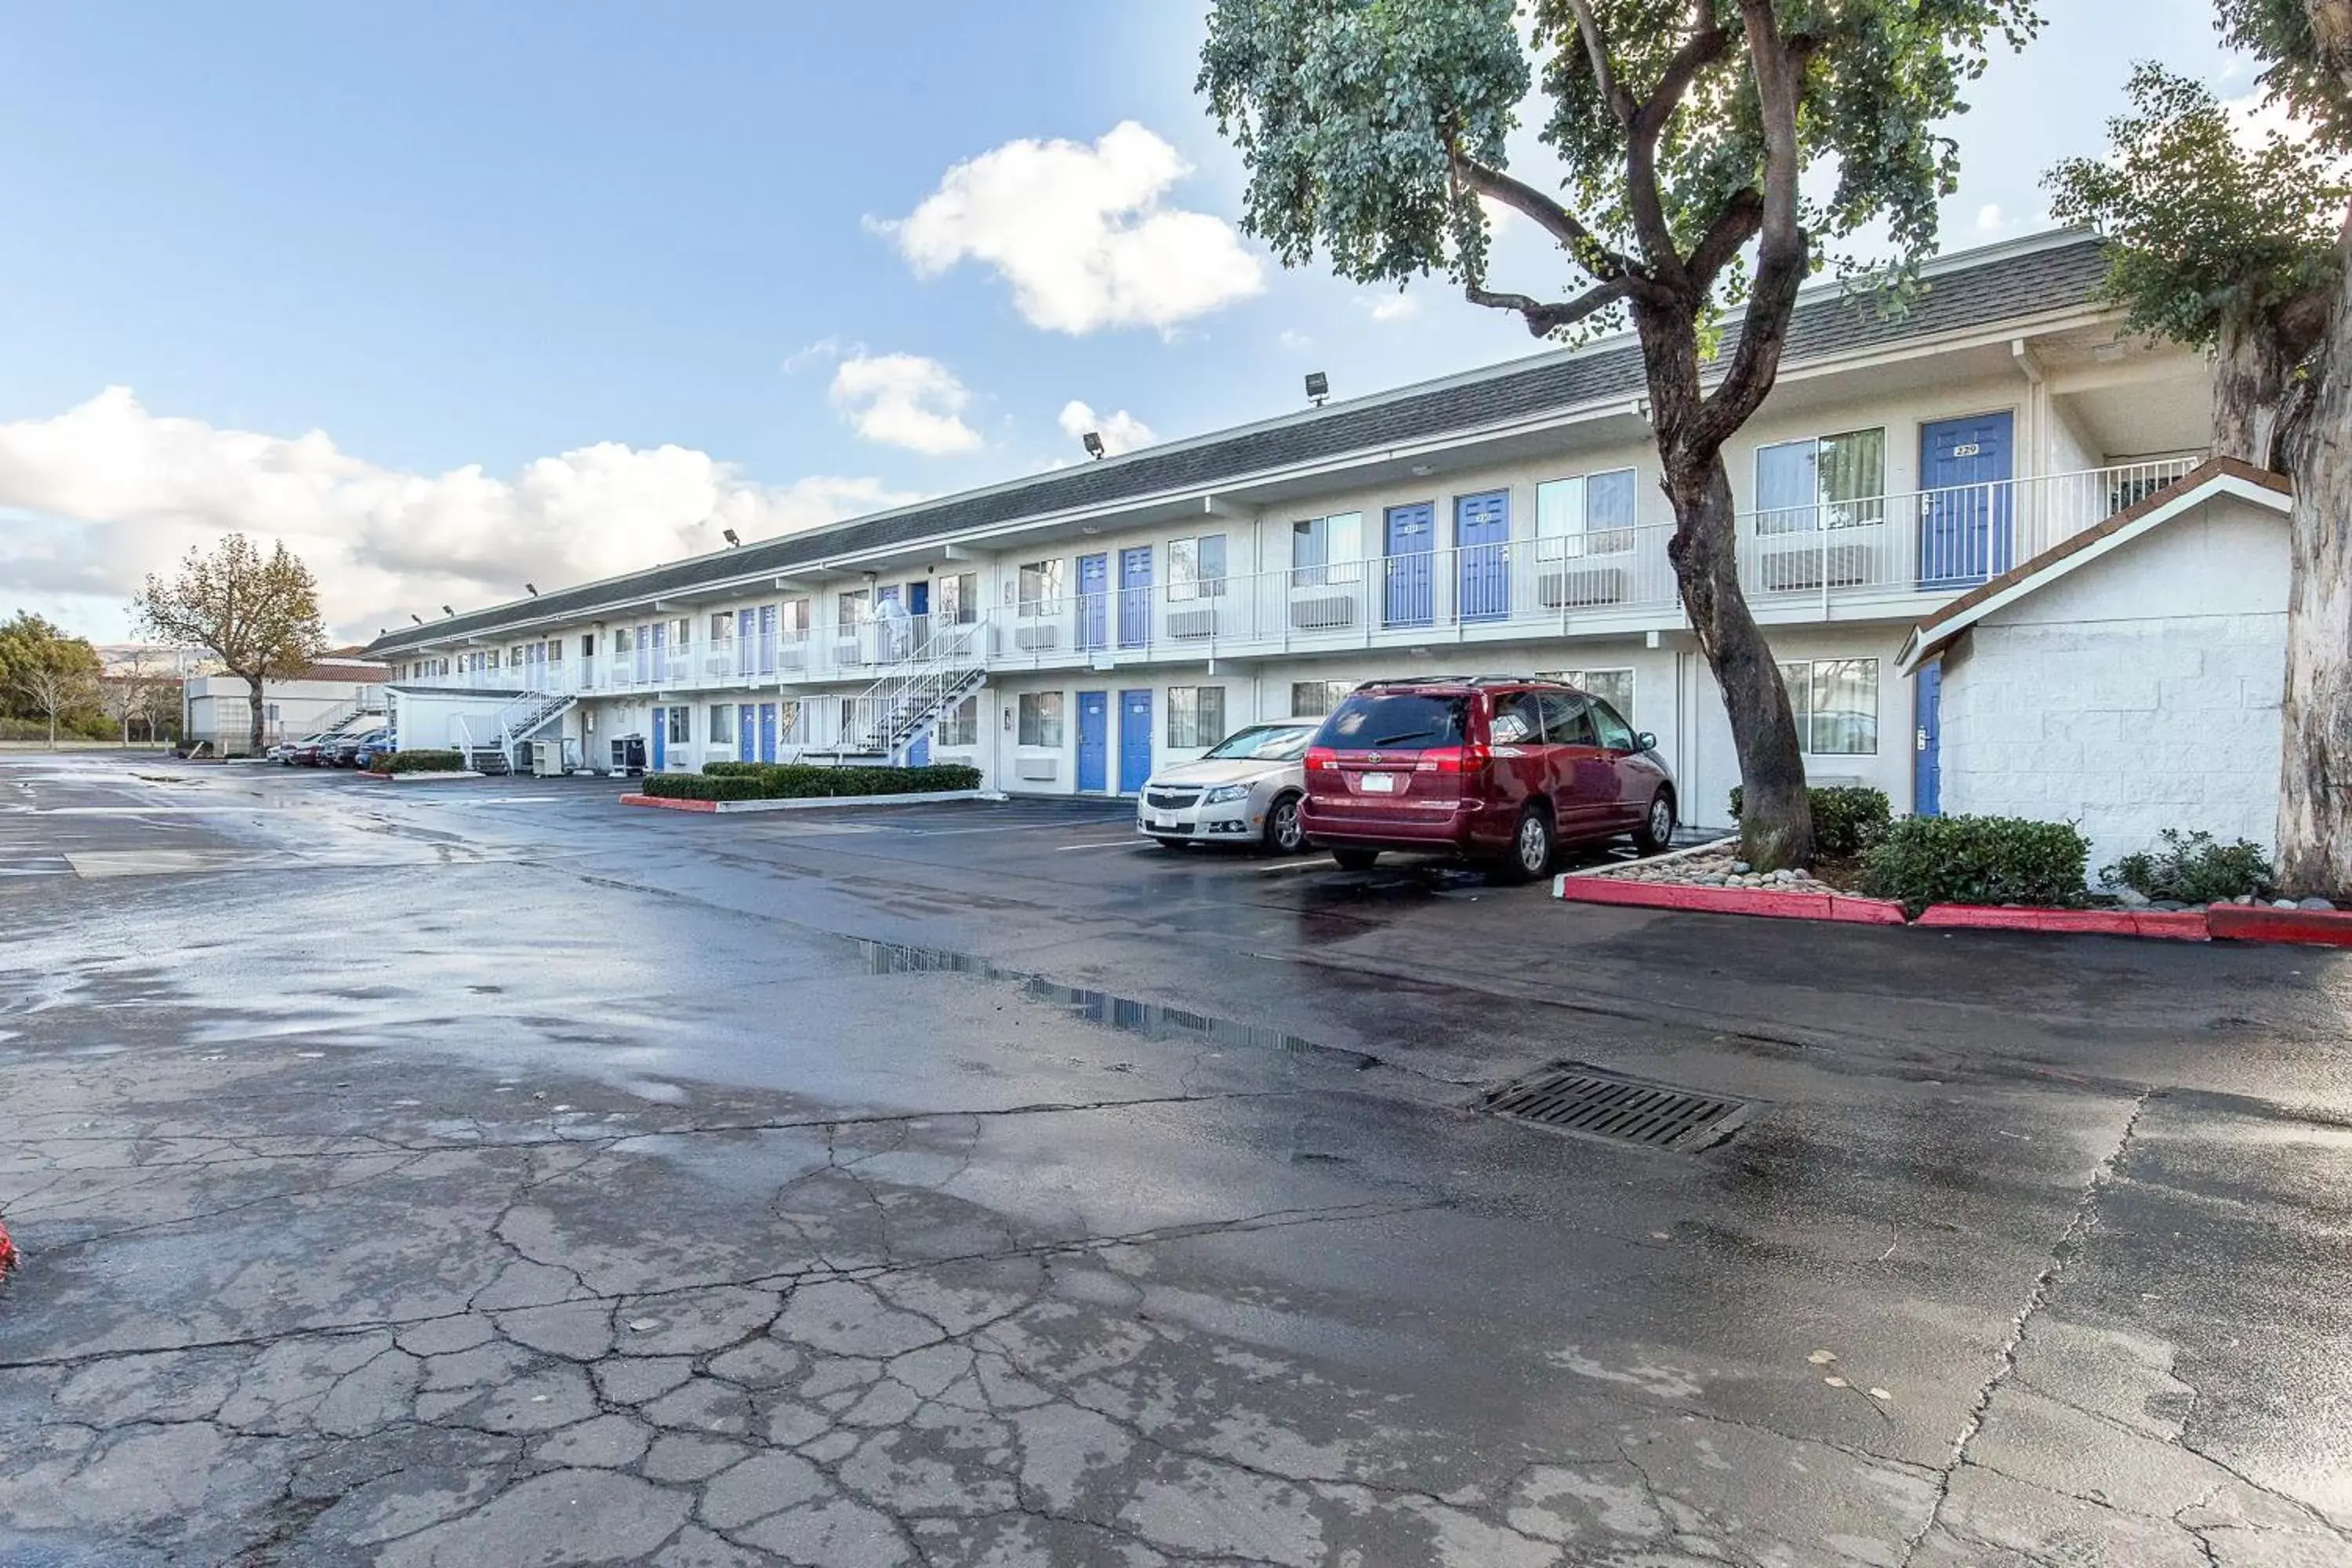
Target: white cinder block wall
x=2141 y=692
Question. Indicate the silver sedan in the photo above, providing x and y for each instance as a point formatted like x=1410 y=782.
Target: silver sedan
x=1244 y=790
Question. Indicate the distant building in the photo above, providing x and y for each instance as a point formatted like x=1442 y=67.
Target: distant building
x=336 y=691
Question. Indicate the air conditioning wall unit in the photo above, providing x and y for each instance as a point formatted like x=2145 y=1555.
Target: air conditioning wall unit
x=1044 y=769
x=1570 y=588
x=1041 y=638
x=1322 y=612
x=1196 y=623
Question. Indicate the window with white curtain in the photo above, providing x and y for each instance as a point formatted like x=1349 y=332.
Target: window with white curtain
x=1822 y=481
x=1835 y=702
x=1327 y=549
x=1614 y=686
x=1196 y=568
x=1586 y=514
x=1196 y=717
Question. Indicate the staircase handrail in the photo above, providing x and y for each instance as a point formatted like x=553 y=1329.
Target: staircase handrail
x=946 y=658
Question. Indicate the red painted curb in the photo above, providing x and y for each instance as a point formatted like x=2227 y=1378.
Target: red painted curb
x=666 y=804
x=2179 y=925
x=1731 y=900
x=8 y=1258
x=2247 y=922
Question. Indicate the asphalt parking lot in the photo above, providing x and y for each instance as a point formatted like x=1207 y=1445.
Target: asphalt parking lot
x=486 y=1173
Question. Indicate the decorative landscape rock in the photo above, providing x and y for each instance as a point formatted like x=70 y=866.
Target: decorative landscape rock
x=1716 y=866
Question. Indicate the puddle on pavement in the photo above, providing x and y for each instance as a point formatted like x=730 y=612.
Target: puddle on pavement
x=1148 y=1020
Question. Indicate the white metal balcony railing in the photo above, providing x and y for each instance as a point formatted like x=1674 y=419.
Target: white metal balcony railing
x=1893 y=555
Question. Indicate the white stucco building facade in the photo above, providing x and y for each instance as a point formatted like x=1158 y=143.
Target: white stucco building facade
x=1082 y=626
x=2130 y=681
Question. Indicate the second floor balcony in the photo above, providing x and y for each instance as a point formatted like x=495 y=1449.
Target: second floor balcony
x=1882 y=557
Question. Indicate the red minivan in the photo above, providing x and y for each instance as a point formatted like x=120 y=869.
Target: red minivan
x=1499 y=768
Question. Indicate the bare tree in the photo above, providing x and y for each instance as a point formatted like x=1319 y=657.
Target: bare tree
x=53 y=690
x=132 y=692
x=258 y=616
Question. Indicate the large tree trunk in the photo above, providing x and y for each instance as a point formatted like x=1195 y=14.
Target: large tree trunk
x=2314 y=819
x=1776 y=816
x=254 y=746
x=2251 y=371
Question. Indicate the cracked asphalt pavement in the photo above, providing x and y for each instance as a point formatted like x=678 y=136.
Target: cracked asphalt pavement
x=488 y=1173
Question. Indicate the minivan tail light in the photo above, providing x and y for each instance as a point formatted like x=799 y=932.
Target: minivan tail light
x=1320 y=759
x=1451 y=760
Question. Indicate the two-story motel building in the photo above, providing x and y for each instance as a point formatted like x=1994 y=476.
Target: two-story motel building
x=1068 y=631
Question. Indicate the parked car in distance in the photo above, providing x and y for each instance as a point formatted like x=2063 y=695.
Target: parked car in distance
x=1245 y=789
x=283 y=753
x=372 y=749
x=309 y=753
x=345 y=752
x=1501 y=769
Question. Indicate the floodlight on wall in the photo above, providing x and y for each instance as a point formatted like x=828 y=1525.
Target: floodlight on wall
x=418 y=618
x=531 y=588
x=447 y=611
x=729 y=535
x=1318 y=386
x=1093 y=440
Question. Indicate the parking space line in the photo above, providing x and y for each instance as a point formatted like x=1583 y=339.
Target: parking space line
x=1101 y=844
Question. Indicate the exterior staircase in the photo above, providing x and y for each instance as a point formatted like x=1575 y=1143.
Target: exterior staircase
x=518 y=722
x=900 y=709
x=362 y=712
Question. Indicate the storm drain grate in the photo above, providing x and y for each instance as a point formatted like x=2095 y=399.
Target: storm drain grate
x=1576 y=1098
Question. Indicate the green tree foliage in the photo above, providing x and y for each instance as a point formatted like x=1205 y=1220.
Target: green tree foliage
x=2247 y=268
x=1686 y=136
x=258 y=615
x=46 y=675
x=2225 y=246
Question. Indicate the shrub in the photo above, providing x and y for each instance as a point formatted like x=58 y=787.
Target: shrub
x=804 y=780
x=420 y=762
x=1847 y=818
x=699 y=787
x=1926 y=860
x=2193 y=868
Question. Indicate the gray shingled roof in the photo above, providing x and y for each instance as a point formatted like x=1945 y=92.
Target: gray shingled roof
x=2004 y=286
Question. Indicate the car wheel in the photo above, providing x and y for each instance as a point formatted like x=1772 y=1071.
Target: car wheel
x=1657 y=829
x=1355 y=859
x=1531 y=848
x=1285 y=834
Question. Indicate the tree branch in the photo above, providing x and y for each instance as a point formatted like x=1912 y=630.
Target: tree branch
x=1542 y=318
x=1781 y=261
x=1733 y=227
x=1596 y=50
x=1582 y=246
x=1707 y=45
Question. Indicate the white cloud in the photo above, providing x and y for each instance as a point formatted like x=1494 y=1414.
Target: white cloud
x=102 y=494
x=1991 y=220
x=1121 y=432
x=1079 y=232
x=905 y=400
x=1292 y=338
x=1393 y=305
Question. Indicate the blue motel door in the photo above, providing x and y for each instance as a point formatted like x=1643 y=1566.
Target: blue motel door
x=1093 y=742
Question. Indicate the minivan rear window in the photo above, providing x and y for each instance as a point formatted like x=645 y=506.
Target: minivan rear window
x=1374 y=721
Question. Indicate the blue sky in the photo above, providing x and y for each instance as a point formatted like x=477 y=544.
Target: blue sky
x=499 y=257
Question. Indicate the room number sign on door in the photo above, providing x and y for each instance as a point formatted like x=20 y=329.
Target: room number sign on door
x=1968 y=449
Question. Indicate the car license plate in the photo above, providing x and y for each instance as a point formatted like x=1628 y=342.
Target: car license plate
x=1379 y=784
x=1165 y=822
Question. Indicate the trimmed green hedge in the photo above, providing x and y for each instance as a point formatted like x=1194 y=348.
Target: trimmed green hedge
x=420 y=763
x=802 y=781
x=1847 y=818
x=1926 y=860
